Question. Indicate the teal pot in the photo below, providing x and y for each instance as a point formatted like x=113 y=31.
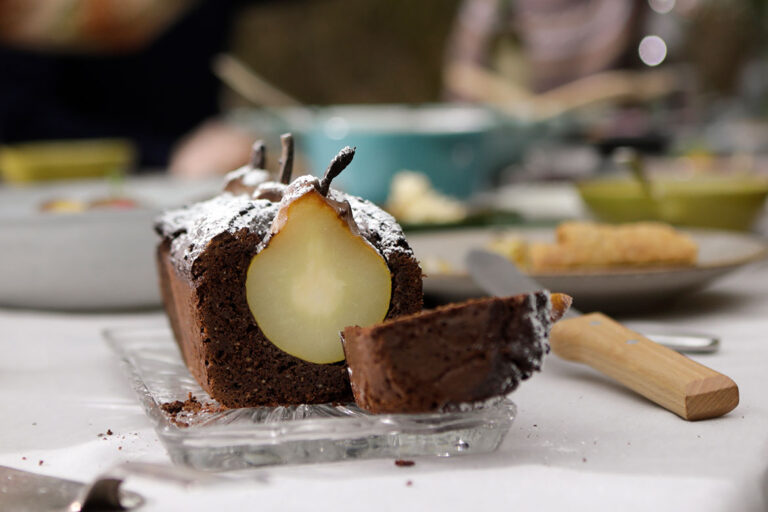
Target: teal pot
x=460 y=148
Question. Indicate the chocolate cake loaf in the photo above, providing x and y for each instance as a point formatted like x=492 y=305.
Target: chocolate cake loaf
x=250 y=278
x=451 y=357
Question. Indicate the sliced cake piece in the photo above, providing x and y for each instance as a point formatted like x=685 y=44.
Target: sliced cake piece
x=454 y=355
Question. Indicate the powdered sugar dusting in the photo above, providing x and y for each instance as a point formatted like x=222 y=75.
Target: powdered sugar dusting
x=191 y=228
x=378 y=227
x=299 y=187
x=540 y=319
x=247 y=176
x=272 y=190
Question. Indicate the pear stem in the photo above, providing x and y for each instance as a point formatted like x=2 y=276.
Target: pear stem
x=338 y=164
x=258 y=155
x=286 y=159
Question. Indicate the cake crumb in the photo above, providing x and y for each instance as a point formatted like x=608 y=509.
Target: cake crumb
x=119 y=447
x=23 y=458
x=192 y=405
x=583 y=459
x=404 y=463
x=40 y=462
x=409 y=483
x=188 y=409
x=109 y=432
x=172 y=407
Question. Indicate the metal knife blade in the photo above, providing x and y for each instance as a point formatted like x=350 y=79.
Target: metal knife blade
x=499 y=276
x=22 y=491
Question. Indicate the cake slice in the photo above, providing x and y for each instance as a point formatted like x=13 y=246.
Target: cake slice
x=454 y=355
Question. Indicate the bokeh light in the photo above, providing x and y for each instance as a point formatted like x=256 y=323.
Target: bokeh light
x=652 y=50
x=662 y=6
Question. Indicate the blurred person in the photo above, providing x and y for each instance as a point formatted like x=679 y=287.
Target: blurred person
x=540 y=45
x=548 y=42
x=138 y=69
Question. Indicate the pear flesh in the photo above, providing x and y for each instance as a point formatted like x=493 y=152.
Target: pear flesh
x=314 y=277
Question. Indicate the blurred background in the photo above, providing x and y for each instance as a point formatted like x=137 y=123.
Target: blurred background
x=464 y=112
x=556 y=86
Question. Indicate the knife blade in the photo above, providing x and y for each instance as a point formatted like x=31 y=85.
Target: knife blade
x=499 y=276
x=681 y=385
x=22 y=491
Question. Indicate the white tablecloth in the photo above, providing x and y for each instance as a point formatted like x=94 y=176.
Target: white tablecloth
x=579 y=442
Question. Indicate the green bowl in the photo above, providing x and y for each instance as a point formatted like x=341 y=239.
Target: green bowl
x=711 y=202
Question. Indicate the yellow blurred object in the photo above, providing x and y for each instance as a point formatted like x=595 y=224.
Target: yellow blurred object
x=582 y=245
x=64 y=206
x=438 y=266
x=58 y=160
x=512 y=247
x=413 y=200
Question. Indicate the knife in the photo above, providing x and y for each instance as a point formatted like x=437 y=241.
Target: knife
x=499 y=276
x=22 y=491
x=664 y=376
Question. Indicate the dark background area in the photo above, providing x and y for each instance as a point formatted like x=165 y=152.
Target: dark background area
x=351 y=52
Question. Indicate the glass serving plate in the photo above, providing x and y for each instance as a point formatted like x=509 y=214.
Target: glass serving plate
x=218 y=439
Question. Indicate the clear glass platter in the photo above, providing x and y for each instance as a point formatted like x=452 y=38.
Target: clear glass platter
x=218 y=439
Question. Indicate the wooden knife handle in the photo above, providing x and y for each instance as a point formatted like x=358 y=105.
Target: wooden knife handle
x=685 y=387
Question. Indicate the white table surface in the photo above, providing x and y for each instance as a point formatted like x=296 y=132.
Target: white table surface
x=579 y=442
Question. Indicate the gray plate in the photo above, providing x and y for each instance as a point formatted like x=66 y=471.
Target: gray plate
x=94 y=260
x=720 y=252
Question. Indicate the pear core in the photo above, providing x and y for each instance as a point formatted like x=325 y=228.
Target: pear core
x=313 y=278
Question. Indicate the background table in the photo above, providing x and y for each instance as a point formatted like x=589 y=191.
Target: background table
x=579 y=442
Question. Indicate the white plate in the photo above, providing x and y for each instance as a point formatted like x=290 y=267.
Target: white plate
x=94 y=260
x=720 y=252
